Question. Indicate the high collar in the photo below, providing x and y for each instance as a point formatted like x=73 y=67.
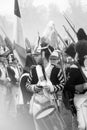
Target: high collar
x=47 y=67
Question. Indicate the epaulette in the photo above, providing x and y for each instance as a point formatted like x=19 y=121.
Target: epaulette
x=24 y=75
x=33 y=66
x=73 y=66
x=54 y=65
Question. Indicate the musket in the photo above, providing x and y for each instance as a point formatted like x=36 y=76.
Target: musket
x=69 y=20
x=38 y=38
x=69 y=34
x=62 y=65
x=60 y=53
x=70 y=24
x=38 y=42
x=60 y=38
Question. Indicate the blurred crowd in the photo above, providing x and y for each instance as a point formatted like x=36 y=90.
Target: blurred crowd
x=51 y=83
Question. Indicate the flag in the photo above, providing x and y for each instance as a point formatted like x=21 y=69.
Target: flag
x=2 y=43
x=16 y=9
x=20 y=52
x=18 y=35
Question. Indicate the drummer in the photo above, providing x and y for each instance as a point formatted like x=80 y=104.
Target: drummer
x=54 y=58
x=44 y=81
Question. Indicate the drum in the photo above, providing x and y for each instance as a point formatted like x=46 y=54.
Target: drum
x=46 y=109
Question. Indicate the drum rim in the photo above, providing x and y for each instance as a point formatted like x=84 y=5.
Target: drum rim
x=52 y=106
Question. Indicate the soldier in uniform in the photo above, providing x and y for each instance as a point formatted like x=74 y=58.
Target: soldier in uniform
x=76 y=84
x=13 y=89
x=45 y=80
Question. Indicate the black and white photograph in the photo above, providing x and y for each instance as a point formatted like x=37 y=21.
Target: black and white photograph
x=43 y=64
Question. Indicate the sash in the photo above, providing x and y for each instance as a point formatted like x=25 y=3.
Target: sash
x=43 y=97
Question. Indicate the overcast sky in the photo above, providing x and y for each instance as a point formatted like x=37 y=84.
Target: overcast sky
x=35 y=15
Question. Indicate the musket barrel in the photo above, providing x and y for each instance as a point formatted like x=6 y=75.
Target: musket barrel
x=70 y=25
x=61 y=38
x=69 y=34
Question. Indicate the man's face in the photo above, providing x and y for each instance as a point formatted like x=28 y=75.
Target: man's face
x=54 y=61
x=37 y=58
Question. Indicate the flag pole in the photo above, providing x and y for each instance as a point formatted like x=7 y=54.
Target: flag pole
x=3 y=31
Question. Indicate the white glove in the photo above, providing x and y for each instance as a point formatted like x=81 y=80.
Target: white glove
x=85 y=85
x=38 y=88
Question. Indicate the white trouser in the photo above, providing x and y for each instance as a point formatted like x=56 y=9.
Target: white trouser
x=80 y=102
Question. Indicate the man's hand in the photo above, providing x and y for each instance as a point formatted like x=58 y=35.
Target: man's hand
x=79 y=88
x=38 y=88
x=85 y=86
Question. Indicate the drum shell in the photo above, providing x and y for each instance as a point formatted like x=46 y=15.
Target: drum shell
x=37 y=107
